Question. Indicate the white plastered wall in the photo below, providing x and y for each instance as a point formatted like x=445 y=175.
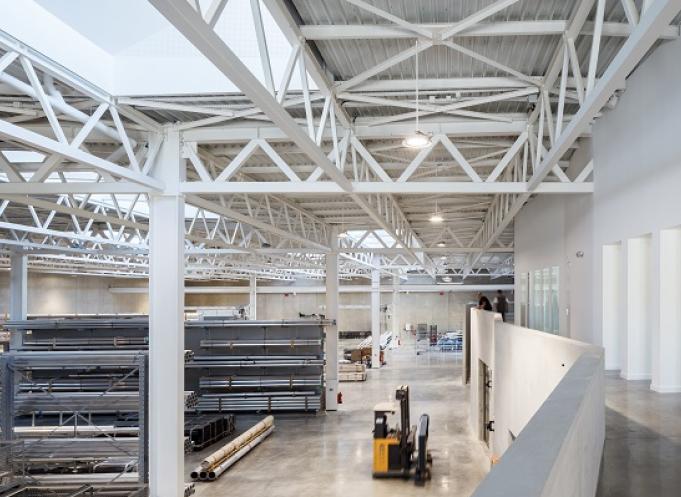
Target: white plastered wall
x=558 y=231
x=637 y=179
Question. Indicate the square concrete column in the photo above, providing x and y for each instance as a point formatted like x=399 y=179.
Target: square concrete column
x=18 y=286
x=331 y=343
x=397 y=328
x=667 y=347
x=18 y=293
x=252 y=299
x=375 y=319
x=166 y=326
x=638 y=351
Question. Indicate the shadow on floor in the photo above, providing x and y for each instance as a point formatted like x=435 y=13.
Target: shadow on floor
x=643 y=442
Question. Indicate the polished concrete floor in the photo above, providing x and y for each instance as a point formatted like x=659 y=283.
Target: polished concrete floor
x=642 y=456
x=331 y=454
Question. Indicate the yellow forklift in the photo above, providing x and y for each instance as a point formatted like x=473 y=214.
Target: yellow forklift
x=396 y=453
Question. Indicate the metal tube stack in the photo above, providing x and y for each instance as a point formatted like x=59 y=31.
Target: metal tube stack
x=219 y=461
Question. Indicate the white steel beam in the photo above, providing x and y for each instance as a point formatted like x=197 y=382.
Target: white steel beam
x=40 y=142
x=373 y=187
x=328 y=32
x=657 y=18
x=283 y=16
x=475 y=18
x=193 y=27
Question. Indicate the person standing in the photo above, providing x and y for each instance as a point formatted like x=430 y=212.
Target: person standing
x=501 y=304
x=484 y=303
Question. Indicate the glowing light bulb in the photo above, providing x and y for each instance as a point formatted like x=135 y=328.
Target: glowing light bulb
x=417 y=140
x=436 y=218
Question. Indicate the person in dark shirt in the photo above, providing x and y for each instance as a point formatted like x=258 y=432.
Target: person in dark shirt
x=501 y=304
x=484 y=303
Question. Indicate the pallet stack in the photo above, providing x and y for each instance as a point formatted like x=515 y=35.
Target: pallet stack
x=349 y=371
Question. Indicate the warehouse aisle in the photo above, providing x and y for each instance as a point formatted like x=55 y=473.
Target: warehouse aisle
x=331 y=455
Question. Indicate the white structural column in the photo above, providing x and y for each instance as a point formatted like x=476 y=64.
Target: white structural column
x=637 y=365
x=331 y=343
x=18 y=292
x=397 y=328
x=253 y=298
x=613 y=323
x=375 y=318
x=667 y=356
x=166 y=326
x=18 y=286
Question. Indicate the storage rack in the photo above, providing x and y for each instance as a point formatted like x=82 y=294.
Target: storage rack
x=51 y=438
x=74 y=395
x=232 y=366
x=245 y=366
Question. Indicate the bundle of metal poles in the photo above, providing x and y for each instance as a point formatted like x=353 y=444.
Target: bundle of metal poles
x=293 y=400
x=109 y=489
x=219 y=461
x=290 y=381
x=84 y=430
x=67 y=450
x=98 y=402
x=104 y=402
x=216 y=361
x=230 y=344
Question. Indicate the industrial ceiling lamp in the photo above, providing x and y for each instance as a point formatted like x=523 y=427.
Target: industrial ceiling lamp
x=418 y=139
x=343 y=234
x=436 y=218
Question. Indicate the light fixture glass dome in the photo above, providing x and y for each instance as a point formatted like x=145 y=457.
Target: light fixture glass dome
x=436 y=218
x=418 y=140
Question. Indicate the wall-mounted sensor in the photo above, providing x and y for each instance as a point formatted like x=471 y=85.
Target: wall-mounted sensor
x=580 y=254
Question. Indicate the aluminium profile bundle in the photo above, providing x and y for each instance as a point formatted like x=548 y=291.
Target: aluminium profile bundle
x=65 y=450
x=243 y=343
x=108 y=489
x=297 y=400
x=259 y=382
x=111 y=402
x=204 y=361
x=84 y=384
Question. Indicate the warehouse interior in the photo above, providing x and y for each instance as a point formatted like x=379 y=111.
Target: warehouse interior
x=325 y=247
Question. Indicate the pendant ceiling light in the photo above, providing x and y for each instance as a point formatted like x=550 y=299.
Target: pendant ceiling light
x=343 y=234
x=436 y=218
x=418 y=139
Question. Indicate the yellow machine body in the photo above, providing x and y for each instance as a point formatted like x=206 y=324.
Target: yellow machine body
x=382 y=455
